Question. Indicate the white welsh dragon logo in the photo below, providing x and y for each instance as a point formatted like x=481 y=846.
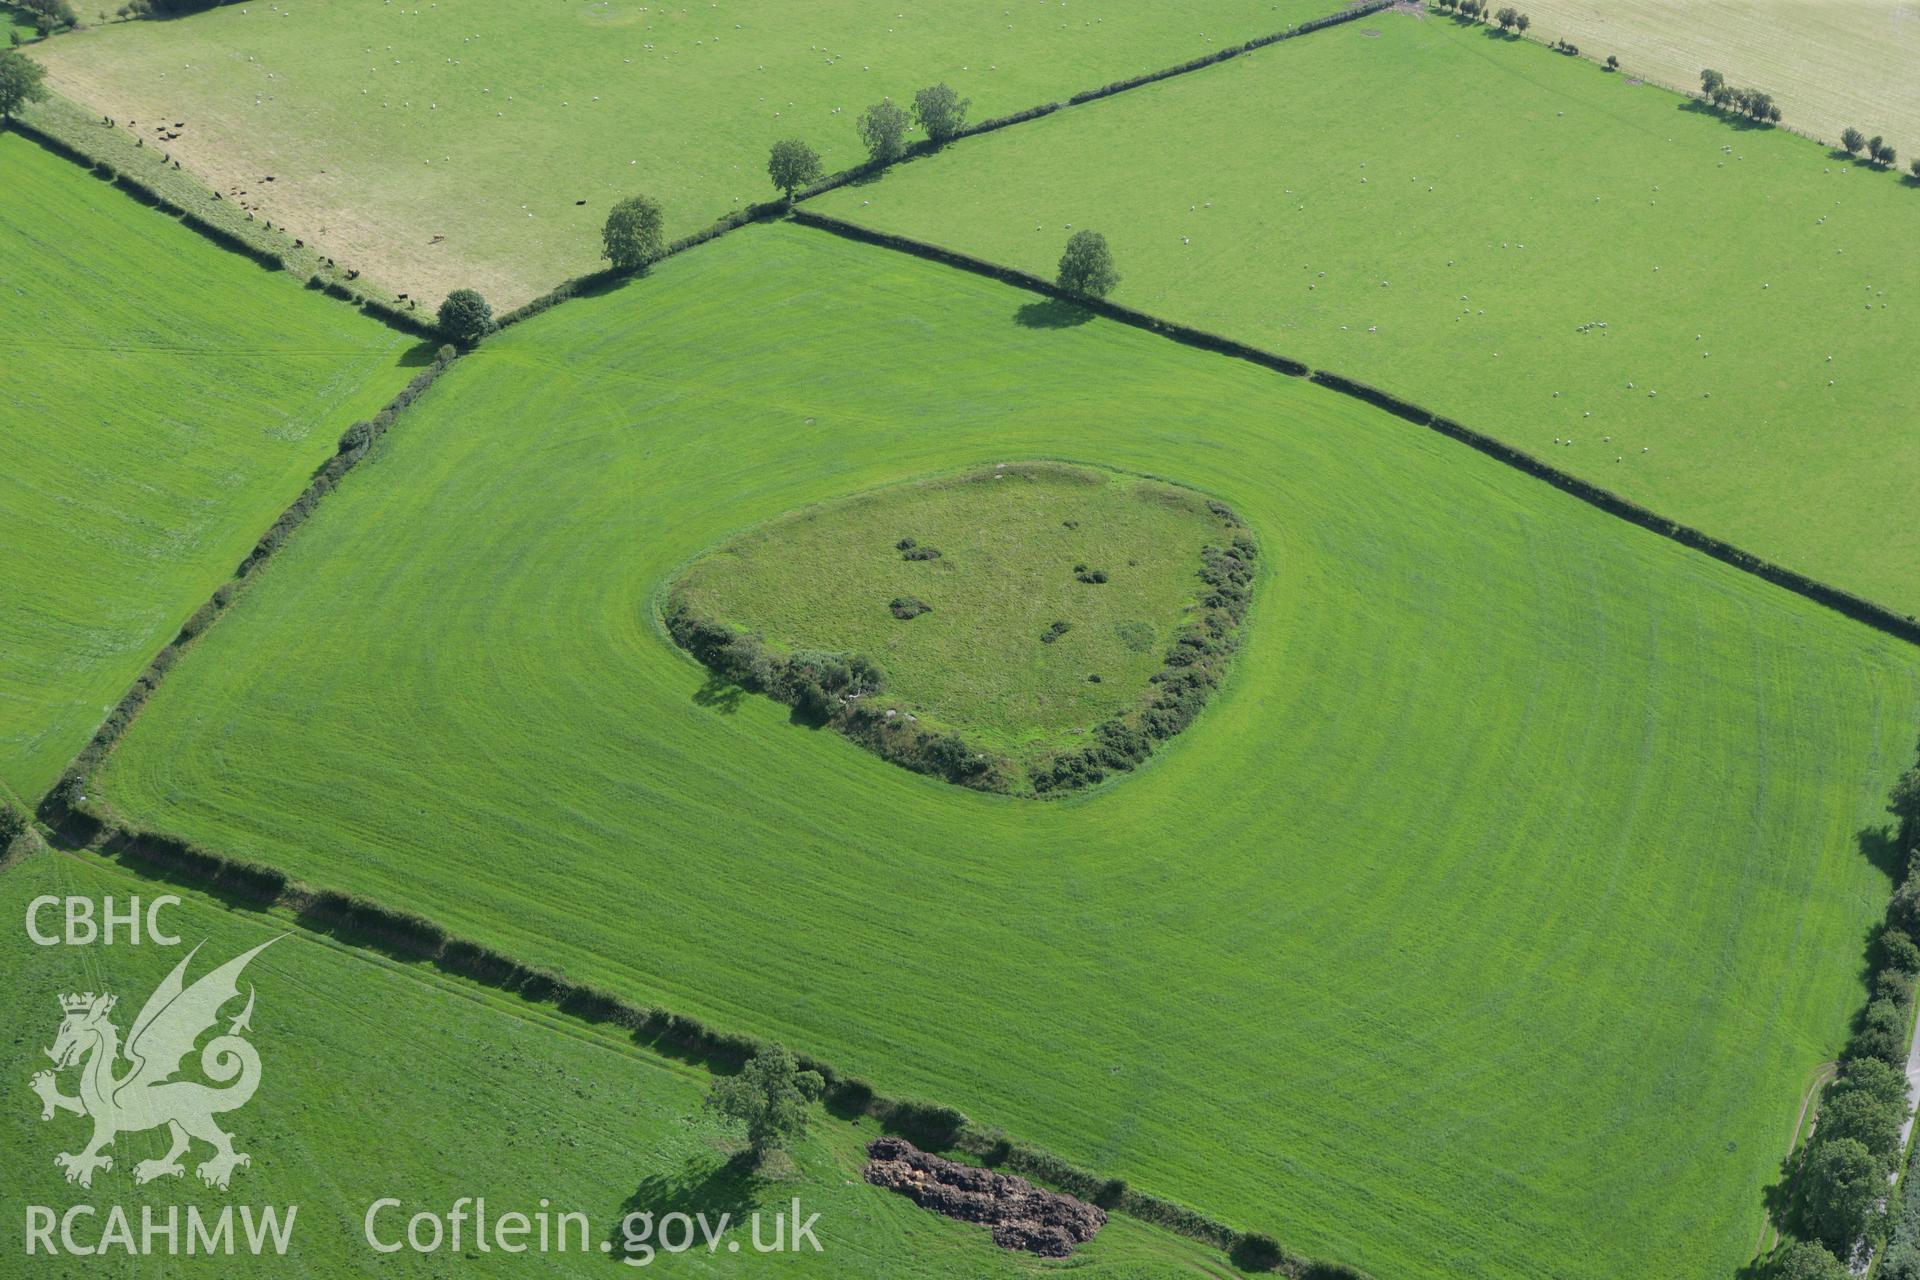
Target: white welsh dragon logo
x=147 y=1096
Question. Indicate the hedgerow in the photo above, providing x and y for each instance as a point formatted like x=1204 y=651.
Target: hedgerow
x=1836 y=1179
x=1193 y=668
x=1905 y=627
x=832 y=690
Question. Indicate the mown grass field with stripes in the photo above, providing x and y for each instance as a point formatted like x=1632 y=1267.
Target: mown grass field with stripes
x=164 y=400
x=1490 y=921
x=381 y=1079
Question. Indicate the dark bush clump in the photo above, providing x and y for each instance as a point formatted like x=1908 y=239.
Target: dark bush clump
x=1091 y=575
x=1256 y=1251
x=920 y=553
x=13 y=824
x=1055 y=631
x=907 y=608
x=356 y=437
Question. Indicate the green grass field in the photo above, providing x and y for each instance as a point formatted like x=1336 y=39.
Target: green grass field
x=1365 y=236
x=386 y=127
x=382 y=1080
x=1490 y=922
x=983 y=661
x=1828 y=65
x=165 y=400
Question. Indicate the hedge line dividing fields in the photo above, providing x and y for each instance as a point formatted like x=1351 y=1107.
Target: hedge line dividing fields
x=1562 y=311
x=154 y=423
x=509 y=132
x=84 y=824
x=1901 y=626
x=617 y=1122
x=636 y=478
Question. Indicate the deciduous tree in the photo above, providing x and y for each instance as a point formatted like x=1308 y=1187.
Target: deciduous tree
x=20 y=83
x=883 y=130
x=792 y=165
x=770 y=1097
x=1805 y=1260
x=940 y=111
x=1843 y=1179
x=634 y=234
x=1087 y=265
x=465 y=316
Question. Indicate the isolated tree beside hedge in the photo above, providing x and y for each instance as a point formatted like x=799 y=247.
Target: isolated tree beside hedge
x=941 y=112
x=883 y=131
x=465 y=316
x=20 y=83
x=770 y=1096
x=1851 y=140
x=1087 y=265
x=634 y=234
x=792 y=165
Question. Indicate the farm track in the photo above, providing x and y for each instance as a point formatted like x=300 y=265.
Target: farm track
x=1823 y=1074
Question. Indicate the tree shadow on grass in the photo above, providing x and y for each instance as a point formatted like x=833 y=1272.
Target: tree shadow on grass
x=420 y=354
x=1881 y=847
x=697 y=1188
x=1732 y=119
x=1052 y=313
x=720 y=694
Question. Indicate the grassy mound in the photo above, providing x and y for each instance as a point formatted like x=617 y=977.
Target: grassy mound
x=1558 y=309
x=1523 y=853
x=1046 y=600
x=166 y=398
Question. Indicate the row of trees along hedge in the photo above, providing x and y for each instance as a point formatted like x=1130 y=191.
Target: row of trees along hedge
x=1193 y=669
x=1875 y=150
x=1902 y=1258
x=1509 y=18
x=833 y=690
x=1841 y=1174
x=942 y=113
x=1755 y=104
